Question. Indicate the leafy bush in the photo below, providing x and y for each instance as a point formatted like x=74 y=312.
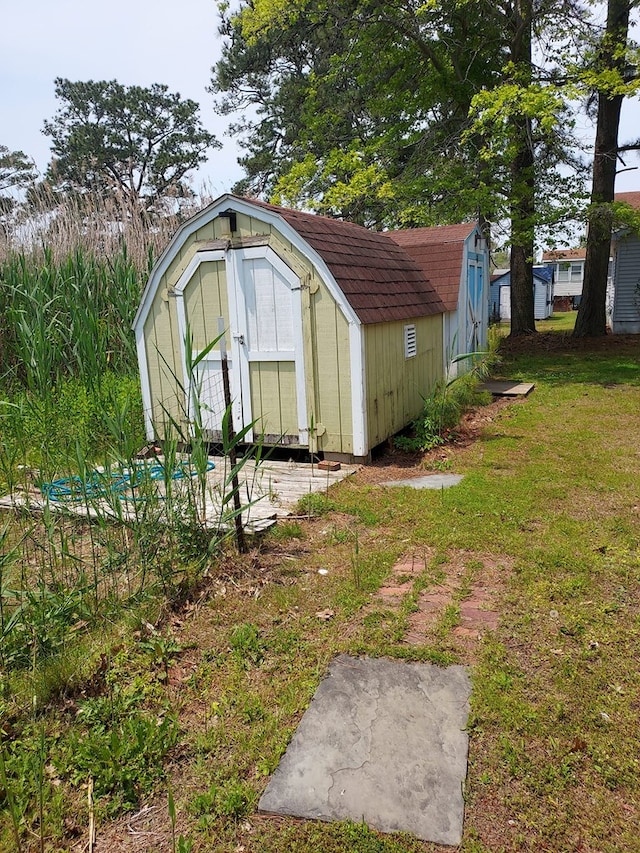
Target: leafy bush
x=443 y=409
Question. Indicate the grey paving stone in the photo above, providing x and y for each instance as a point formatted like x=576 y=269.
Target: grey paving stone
x=382 y=742
x=430 y=481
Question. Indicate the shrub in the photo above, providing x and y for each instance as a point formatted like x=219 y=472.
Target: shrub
x=443 y=409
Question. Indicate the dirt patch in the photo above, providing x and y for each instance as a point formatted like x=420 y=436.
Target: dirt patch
x=147 y=830
x=393 y=464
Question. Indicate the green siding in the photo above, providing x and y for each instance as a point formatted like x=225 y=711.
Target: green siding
x=395 y=385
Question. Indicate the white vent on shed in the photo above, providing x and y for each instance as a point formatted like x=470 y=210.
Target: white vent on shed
x=410 y=346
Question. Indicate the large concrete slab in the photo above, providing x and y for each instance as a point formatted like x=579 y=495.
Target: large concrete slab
x=382 y=742
x=429 y=481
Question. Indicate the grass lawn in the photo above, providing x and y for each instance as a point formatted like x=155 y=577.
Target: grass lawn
x=541 y=535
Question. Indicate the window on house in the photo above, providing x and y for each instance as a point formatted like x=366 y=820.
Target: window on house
x=563 y=272
x=576 y=272
x=410 y=345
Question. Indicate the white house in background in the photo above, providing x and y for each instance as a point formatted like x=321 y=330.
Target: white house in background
x=623 y=296
x=568 y=269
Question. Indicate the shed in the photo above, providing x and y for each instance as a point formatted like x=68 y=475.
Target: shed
x=333 y=334
x=624 y=297
x=542 y=293
x=455 y=259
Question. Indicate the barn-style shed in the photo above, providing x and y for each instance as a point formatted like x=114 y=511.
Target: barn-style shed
x=333 y=331
x=455 y=259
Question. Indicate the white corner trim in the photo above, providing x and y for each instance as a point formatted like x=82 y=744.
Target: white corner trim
x=358 y=393
x=145 y=384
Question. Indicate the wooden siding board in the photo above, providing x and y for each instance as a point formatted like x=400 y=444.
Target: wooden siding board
x=626 y=306
x=395 y=385
x=331 y=370
x=214 y=301
x=163 y=365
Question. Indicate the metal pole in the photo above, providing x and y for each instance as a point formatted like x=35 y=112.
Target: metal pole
x=233 y=458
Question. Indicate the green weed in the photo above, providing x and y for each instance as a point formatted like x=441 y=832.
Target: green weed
x=314 y=504
x=124 y=756
x=246 y=645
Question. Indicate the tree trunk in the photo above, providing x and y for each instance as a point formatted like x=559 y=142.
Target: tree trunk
x=522 y=219
x=522 y=182
x=591 y=319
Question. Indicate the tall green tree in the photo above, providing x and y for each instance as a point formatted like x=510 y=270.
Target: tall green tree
x=359 y=106
x=138 y=142
x=399 y=114
x=17 y=172
x=612 y=76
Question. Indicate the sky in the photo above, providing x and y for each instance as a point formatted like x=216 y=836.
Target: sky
x=137 y=42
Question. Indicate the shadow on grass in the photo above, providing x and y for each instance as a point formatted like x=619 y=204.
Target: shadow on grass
x=558 y=358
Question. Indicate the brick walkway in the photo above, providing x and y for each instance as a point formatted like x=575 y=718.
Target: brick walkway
x=481 y=575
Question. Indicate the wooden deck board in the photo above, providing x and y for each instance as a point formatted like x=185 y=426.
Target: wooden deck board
x=272 y=489
x=507 y=388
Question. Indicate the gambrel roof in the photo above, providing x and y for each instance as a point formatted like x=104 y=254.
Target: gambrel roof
x=439 y=253
x=380 y=279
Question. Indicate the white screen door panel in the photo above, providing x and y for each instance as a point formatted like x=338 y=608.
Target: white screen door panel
x=267 y=345
x=269 y=306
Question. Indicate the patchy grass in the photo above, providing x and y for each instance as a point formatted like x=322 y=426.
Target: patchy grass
x=550 y=497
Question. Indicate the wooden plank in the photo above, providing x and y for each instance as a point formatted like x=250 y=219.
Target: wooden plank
x=507 y=388
x=273 y=488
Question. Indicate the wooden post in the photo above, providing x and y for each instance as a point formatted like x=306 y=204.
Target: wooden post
x=233 y=458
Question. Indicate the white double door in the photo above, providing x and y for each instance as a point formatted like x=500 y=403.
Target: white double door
x=265 y=351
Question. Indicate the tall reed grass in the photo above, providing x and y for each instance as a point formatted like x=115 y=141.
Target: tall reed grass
x=97 y=225
x=67 y=318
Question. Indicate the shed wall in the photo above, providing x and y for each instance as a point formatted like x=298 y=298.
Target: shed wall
x=541 y=299
x=395 y=384
x=626 y=305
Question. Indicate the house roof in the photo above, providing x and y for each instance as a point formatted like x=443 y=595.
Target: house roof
x=565 y=255
x=380 y=280
x=632 y=198
x=543 y=274
x=438 y=252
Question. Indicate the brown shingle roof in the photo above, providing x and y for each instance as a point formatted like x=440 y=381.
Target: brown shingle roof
x=565 y=255
x=438 y=252
x=380 y=280
x=632 y=198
